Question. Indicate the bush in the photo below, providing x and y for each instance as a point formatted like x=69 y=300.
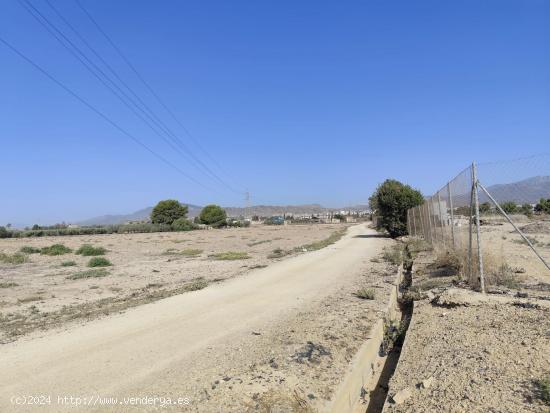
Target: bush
x=168 y=211
x=55 y=249
x=101 y=272
x=99 y=262
x=183 y=224
x=4 y=233
x=29 y=250
x=390 y=201
x=365 y=294
x=214 y=216
x=526 y=210
x=509 y=207
x=485 y=208
x=88 y=250
x=543 y=389
x=13 y=258
x=543 y=206
x=68 y=264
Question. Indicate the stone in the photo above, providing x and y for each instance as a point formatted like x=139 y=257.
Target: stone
x=402 y=395
x=426 y=384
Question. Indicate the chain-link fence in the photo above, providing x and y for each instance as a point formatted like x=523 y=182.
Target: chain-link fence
x=495 y=220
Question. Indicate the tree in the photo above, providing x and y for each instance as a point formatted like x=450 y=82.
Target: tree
x=183 y=224
x=543 y=206
x=390 y=202
x=167 y=211
x=214 y=216
x=526 y=209
x=509 y=207
x=484 y=208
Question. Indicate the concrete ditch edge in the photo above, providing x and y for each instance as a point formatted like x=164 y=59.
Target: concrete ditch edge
x=364 y=370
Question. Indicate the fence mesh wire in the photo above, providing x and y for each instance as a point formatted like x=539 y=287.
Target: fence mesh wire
x=447 y=220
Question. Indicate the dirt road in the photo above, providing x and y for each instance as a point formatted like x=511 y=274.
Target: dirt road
x=147 y=350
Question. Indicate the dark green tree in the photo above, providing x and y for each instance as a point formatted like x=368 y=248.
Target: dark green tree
x=484 y=208
x=390 y=202
x=543 y=206
x=167 y=211
x=214 y=216
x=509 y=207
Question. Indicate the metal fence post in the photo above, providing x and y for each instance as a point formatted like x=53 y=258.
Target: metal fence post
x=452 y=214
x=470 y=250
x=441 y=220
x=420 y=213
x=414 y=222
x=476 y=202
x=429 y=221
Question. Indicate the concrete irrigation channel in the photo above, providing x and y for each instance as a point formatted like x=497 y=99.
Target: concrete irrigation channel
x=365 y=386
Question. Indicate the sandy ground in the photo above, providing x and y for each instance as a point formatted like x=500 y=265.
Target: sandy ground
x=146 y=267
x=502 y=245
x=474 y=352
x=280 y=336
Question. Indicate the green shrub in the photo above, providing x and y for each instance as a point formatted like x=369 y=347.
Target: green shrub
x=230 y=255
x=168 y=211
x=55 y=249
x=4 y=233
x=101 y=272
x=29 y=250
x=543 y=389
x=526 y=209
x=542 y=207
x=509 y=207
x=68 y=264
x=390 y=202
x=8 y=284
x=214 y=216
x=16 y=258
x=183 y=224
x=88 y=250
x=99 y=262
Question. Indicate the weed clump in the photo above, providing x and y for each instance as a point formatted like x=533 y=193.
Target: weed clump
x=8 y=284
x=393 y=255
x=16 y=258
x=29 y=250
x=543 y=389
x=68 y=264
x=278 y=253
x=99 y=262
x=88 y=250
x=191 y=252
x=230 y=256
x=365 y=294
x=55 y=249
x=102 y=272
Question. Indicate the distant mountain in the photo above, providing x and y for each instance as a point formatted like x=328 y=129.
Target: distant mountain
x=194 y=210
x=528 y=191
x=141 y=215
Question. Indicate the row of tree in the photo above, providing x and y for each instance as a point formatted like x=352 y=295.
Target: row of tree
x=172 y=212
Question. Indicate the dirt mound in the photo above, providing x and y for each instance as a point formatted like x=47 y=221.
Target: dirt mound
x=539 y=227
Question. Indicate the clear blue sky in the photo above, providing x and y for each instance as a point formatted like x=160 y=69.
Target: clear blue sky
x=299 y=101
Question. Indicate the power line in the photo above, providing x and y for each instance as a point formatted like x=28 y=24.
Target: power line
x=48 y=25
x=101 y=114
x=146 y=84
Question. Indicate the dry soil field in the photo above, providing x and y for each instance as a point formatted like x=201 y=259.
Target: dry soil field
x=42 y=292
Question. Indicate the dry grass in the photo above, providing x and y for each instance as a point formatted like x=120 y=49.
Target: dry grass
x=278 y=401
x=365 y=294
x=102 y=272
x=230 y=256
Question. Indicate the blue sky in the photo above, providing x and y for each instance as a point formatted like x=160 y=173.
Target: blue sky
x=299 y=102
